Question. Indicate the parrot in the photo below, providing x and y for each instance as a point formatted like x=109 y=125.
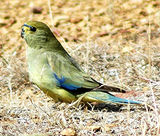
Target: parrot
x=57 y=74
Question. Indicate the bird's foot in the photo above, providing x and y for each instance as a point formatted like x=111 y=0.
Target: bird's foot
x=77 y=102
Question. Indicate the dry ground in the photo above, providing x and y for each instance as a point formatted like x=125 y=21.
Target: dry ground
x=116 y=42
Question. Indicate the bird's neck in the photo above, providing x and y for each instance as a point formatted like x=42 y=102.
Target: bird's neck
x=48 y=43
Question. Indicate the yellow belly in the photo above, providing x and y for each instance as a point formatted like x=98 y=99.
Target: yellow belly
x=59 y=94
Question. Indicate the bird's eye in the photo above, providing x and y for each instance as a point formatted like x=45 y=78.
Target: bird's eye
x=32 y=28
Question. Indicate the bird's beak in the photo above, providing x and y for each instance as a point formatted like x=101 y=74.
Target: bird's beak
x=22 y=32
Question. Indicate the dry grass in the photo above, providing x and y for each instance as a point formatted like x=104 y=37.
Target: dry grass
x=116 y=42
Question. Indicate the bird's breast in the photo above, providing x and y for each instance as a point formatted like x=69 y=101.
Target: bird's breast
x=39 y=70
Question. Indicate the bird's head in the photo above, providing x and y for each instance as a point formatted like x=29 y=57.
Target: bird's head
x=36 y=33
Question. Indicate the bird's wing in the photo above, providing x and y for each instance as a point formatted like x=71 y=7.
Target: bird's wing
x=68 y=73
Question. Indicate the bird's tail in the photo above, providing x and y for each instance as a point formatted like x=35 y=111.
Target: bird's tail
x=102 y=97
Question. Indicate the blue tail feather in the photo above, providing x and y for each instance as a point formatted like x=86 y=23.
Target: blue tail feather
x=106 y=97
x=121 y=100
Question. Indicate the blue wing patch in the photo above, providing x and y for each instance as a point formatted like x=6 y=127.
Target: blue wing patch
x=61 y=83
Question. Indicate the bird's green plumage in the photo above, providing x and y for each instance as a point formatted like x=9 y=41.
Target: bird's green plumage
x=57 y=73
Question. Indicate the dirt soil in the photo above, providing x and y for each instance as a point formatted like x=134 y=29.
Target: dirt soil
x=116 y=41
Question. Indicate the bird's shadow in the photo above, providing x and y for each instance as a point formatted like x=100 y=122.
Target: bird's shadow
x=114 y=107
